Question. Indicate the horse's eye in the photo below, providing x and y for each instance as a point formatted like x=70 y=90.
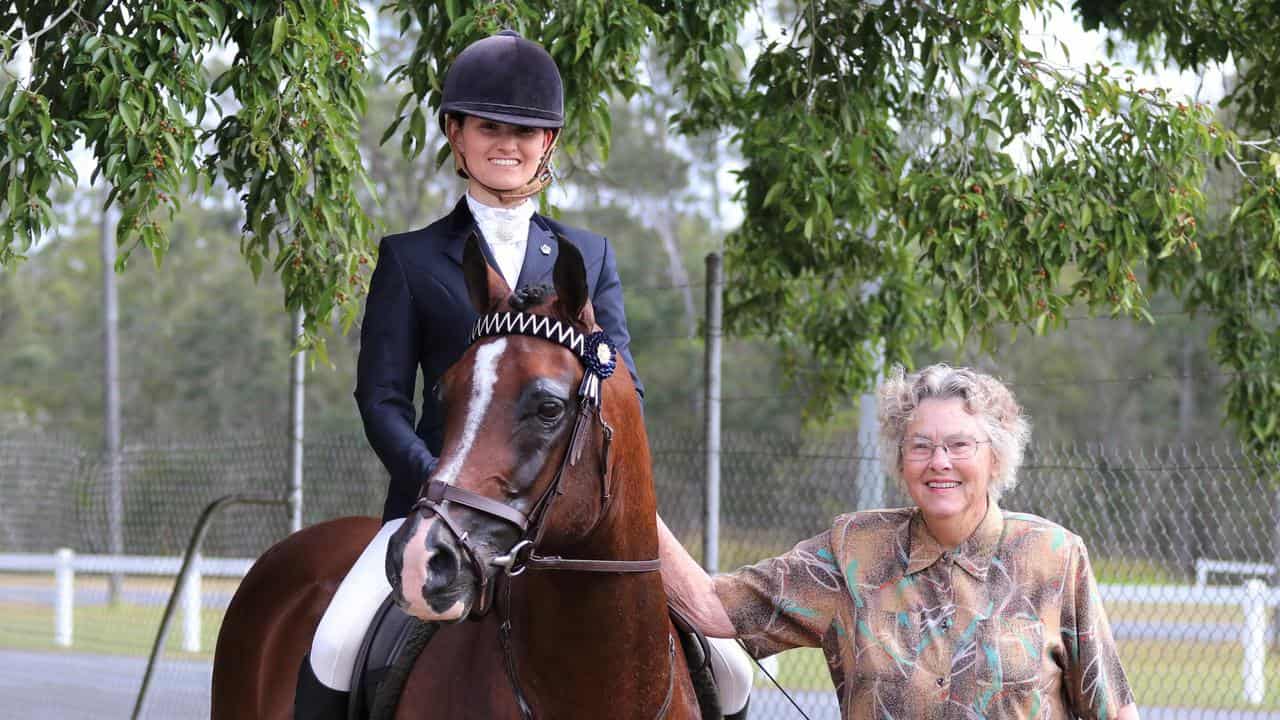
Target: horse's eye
x=550 y=410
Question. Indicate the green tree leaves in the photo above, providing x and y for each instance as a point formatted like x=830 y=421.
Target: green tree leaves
x=1230 y=269
x=917 y=174
x=128 y=80
x=912 y=172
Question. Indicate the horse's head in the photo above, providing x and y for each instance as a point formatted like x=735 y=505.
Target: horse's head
x=512 y=407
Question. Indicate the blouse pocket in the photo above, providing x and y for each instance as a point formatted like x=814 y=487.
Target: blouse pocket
x=893 y=646
x=1010 y=653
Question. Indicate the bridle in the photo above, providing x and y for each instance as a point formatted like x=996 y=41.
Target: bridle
x=599 y=359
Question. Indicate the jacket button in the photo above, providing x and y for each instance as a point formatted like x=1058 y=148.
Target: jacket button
x=942 y=681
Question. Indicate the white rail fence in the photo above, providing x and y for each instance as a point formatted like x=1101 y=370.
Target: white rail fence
x=1253 y=597
x=65 y=563
x=1205 y=566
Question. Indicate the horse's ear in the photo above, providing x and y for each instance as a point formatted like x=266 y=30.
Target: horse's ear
x=485 y=286
x=570 y=276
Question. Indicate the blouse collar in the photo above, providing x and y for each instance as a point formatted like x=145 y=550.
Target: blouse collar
x=973 y=555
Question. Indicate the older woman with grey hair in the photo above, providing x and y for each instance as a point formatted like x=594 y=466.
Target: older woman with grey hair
x=950 y=608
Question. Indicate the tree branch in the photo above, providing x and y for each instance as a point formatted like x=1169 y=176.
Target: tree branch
x=1231 y=156
x=33 y=37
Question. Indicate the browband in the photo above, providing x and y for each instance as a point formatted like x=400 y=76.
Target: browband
x=595 y=351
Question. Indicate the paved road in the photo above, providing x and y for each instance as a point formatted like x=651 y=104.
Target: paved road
x=81 y=686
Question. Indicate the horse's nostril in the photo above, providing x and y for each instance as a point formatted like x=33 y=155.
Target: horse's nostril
x=442 y=569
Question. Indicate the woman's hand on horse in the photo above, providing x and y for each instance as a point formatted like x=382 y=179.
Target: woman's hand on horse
x=689 y=587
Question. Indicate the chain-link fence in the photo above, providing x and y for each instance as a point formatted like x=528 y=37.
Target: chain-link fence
x=1174 y=535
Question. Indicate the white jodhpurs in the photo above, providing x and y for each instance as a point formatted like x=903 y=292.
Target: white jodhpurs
x=733 y=671
x=342 y=629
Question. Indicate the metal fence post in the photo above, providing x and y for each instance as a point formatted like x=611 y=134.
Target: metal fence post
x=297 y=395
x=184 y=572
x=111 y=401
x=870 y=476
x=1255 y=641
x=711 y=536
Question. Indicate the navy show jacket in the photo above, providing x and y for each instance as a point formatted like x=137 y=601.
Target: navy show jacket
x=418 y=315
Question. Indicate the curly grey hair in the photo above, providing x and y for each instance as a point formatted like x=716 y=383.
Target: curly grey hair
x=983 y=396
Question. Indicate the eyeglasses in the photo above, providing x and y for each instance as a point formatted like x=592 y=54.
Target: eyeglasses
x=957 y=447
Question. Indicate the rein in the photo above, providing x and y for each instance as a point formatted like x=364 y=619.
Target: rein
x=599 y=359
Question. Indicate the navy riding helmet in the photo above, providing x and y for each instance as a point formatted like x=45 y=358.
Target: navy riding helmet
x=507 y=79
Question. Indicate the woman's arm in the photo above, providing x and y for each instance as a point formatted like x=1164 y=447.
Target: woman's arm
x=1094 y=676
x=387 y=369
x=689 y=587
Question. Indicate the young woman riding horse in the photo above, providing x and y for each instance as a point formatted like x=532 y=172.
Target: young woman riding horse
x=545 y=467
x=501 y=110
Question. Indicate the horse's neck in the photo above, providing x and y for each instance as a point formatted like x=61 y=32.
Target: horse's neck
x=595 y=646
x=604 y=629
x=627 y=532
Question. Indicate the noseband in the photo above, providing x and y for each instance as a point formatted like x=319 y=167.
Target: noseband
x=599 y=360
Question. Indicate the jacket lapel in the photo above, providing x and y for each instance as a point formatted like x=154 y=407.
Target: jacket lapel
x=539 y=254
x=461 y=225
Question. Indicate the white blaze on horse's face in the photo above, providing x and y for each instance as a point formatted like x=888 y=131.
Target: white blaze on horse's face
x=418 y=550
x=483 y=377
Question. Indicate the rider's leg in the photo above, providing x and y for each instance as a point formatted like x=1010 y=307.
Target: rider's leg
x=313 y=700
x=341 y=630
x=734 y=674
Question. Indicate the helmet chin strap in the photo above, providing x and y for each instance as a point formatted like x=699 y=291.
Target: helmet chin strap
x=542 y=177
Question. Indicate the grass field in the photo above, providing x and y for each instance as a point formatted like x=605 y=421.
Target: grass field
x=1134 y=571
x=122 y=630
x=1161 y=674
x=1165 y=674
x=125 y=629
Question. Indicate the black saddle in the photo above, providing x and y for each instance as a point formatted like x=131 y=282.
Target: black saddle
x=394 y=640
x=391 y=645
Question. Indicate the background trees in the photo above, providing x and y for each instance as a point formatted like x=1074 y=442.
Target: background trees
x=911 y=174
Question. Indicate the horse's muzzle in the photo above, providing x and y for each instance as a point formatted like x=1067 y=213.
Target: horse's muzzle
x=429 y=573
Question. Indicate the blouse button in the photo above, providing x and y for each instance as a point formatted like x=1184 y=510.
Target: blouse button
x=942 y=681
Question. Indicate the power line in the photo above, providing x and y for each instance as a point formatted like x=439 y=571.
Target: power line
x=671 y=286
x=1150 y=377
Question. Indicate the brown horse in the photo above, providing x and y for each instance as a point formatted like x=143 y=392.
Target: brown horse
x=545 y=466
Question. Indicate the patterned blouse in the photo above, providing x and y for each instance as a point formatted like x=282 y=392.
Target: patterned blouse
x=1008 y=625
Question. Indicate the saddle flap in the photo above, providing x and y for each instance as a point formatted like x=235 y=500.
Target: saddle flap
x=697 y=653
x=391 y=645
